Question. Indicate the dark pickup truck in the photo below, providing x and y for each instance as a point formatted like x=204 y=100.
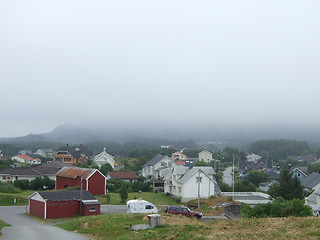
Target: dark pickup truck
x=183 y=211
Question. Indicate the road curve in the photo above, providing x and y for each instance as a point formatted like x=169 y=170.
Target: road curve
x=227 y=176
x=24 y=227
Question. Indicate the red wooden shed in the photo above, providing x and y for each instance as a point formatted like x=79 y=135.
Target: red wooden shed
x=92 y=179
x=58 y=204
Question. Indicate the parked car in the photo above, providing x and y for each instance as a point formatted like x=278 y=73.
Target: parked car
x=141 y=206
x=183 y=211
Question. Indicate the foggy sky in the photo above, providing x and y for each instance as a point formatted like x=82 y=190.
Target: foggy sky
x=158 y=63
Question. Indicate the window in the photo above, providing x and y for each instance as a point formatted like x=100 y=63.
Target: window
x=92 y=209
x=179 y=188
x=3 y=177
x=198 y=179
x=149 y=207
x=16 y=177
x=299 y=175
x=174 y=177
x=185 y=210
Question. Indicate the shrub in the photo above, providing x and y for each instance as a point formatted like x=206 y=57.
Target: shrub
x=22 y=184
x=123 y=194
x=108 y=198
x=278 y=208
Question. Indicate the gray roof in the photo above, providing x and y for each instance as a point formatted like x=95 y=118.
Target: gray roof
x=36 y=170
x=273 y=174
x=66 y=195
x=76 y=151
x=207 y=170
x=180 y=170
x=50 y=168
x=19 y=172
x=311 y=181
x=154 y=160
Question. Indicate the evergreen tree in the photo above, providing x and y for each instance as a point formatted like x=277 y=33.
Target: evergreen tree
x=123 y=192
x=289 y=188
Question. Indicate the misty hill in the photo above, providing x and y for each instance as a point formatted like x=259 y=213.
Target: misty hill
x=240 y=138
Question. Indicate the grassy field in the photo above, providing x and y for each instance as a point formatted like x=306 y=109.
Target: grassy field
x=160 y=198
x=116 y=226
x=2 y=225
x=7 y=199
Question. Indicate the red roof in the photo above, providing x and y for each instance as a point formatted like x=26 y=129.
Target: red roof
x=74 y=172
x=123 y=175
x=181 y=163
x=38 y=159
x=25 y=157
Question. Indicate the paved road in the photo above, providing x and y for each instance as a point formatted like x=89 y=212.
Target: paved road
x=227 y=176
x=24 y=227
x=108 y=209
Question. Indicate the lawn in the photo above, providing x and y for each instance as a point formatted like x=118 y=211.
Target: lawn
x=7 y=199
x=2 y=225
x=160 y=198
x=116 y=226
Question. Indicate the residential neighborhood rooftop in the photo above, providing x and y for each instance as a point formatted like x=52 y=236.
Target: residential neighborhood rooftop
x=67 y=195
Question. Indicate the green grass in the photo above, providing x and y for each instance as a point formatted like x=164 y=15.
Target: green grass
x=105 y=226
x=2 y=225
x=160 y=198
x=7 y=187
x=7 y=199
x=117 y=226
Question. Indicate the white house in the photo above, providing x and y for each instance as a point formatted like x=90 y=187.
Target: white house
x=103 y=158
x=187 y=184
x=205 y=155
x=26 y=159
x=314 y=202
x=156 y=164
x=29 y=173
x=47 y=153
x=179 y=156
x=253 y=157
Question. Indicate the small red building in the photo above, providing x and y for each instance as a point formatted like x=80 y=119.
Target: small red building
x=124 y=176
x=59 y=204
x=92 y=179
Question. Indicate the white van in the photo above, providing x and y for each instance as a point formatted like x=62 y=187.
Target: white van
x=141 y=206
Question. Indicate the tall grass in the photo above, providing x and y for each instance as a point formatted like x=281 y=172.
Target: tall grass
x=7 y=187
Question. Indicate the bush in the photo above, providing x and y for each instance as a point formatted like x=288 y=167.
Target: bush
x=123 y=194
x=22 y=184
x=108 y=198
x=42 y=184
x=278 y=208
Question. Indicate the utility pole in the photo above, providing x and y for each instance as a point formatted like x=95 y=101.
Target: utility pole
x=154 y=183
x=81 y=195
x=233 y=178
x=199 y=189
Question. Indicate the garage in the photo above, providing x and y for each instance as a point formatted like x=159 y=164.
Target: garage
x=59 y=204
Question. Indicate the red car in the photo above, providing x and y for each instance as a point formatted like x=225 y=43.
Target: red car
x=183 y=211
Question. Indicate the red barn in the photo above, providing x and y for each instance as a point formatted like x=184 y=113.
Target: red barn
x=59 y=204
x=92 y=179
